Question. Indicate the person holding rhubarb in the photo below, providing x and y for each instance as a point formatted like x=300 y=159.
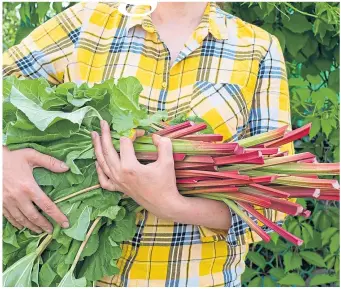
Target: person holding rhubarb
x=207 y=63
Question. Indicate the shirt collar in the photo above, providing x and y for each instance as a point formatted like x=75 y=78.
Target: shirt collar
x=212 y=21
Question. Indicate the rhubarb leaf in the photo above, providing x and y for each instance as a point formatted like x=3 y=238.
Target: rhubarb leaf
x=91 y=246
x=78 y=230
x=35 y=273
x=19 y=274
x=70 y=281
x=110 y=212
x=46 y=275
x=9 y=235
x=41 y=118
x=98 y=265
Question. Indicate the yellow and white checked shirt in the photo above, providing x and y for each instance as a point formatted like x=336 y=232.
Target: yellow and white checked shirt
x=230 y=73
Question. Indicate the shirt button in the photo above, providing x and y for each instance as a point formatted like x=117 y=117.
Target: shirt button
x=164 y=84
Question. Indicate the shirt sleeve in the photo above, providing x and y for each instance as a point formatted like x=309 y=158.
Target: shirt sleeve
x=270 y=110
x=46 y=51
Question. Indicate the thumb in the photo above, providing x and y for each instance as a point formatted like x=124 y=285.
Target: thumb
x=38 y=159
x=164 y=148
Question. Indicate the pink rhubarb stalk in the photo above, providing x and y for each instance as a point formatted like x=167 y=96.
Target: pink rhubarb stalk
x=173 y=128
x=270 y=191
x=266 y=238
x=329 y=198
x=191 y=180
x=307 y=182
x=152 y=156
x=280 y=154
x=277 y=204
x=229 y=182
x=297 y=192
x=199 y=159
x=279 y=230
x=204 y=137
x=264 y=151
x=259 y=161
x=254 y=200
x=263 y=137
x=202 y=166
x=290 y=136
x=276 y=161
x=199 y=173
x=186 y=131
x=225 y=160
x=210 y=190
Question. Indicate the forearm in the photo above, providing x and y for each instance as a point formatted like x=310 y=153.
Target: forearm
x=201 y=212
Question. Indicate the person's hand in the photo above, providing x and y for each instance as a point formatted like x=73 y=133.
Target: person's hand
x=153 y=186
x=20 y=190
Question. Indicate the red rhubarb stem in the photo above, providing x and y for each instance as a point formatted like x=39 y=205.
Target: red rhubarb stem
x=286 y=235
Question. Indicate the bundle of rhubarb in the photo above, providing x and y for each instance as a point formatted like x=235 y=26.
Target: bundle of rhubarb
x=58 y=120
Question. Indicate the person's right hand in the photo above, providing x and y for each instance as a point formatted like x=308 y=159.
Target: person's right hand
x=20 y=190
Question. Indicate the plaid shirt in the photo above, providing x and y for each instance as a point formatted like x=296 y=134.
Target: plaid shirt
x=230 y=73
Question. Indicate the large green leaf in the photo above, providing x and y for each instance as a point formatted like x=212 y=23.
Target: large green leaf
x=313 y=258
x=291 y=261
x=69 y=280
x=19 y=274
x=321 y=279
x=78 y=230
x=292 y=279
x=41 y=118
x=257 y=258
x=297 y=23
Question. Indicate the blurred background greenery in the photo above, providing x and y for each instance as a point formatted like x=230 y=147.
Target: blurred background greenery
x=309 y=36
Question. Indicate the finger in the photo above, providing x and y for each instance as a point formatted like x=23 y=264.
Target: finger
x=48 y=206
x=164 y=149
x=104 y=180
x=32 y=214
x=99 y=153
x=38 y=159
x=127 y=153
x=10 y=219
x=20 y=218
x=108 y=149
x=137 y=133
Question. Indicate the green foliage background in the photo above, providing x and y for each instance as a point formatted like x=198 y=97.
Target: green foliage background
x=309 y=36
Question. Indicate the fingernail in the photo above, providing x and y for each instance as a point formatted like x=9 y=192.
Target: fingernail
x=123 y=138
x=93 y=134
x=64 y=165
x=65 y=225
x=39 y=231
x=103 y=122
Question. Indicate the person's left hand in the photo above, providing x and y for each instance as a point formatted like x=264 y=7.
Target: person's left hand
x=153 y=186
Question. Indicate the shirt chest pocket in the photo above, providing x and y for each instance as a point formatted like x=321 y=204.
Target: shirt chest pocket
x=224 y=106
